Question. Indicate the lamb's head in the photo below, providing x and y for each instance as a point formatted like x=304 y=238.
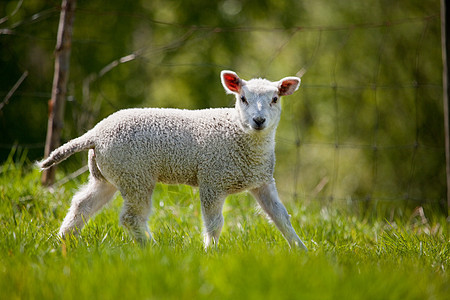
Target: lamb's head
x=258 y=100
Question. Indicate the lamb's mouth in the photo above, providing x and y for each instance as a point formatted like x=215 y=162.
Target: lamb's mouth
x=258 y=127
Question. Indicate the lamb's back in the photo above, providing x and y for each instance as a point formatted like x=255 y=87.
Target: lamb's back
x=167 y=144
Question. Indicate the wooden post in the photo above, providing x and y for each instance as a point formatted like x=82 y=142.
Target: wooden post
x=445 y=32
x=59 y=88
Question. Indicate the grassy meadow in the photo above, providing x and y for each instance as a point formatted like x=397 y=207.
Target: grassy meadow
x=350 y=257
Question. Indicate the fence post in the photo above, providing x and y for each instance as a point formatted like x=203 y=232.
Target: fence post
x=59 y=87
x=445 y=32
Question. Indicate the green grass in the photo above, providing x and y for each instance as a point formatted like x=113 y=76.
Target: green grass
x=350 y=257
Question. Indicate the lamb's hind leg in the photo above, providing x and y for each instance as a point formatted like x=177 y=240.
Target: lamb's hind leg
x=135 y=212
x=85 y=203
x=267 y=197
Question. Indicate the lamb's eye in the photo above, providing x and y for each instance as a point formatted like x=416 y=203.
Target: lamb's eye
x=243 y=99
x=275 y=99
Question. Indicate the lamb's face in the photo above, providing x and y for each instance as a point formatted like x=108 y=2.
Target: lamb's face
x=258 y=100
x=258 y=105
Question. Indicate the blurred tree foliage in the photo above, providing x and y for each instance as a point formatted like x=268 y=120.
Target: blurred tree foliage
x=366 y=124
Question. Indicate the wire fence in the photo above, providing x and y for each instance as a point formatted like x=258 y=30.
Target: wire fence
x=366 y=125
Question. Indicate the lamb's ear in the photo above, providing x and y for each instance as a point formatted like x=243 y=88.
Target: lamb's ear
x=288 y=85
x=231 y=82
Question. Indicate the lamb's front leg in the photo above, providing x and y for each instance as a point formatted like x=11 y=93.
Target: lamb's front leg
x=267 y=197
x=212 y=205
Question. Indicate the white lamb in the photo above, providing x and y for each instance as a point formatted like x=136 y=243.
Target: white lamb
x=222 y=151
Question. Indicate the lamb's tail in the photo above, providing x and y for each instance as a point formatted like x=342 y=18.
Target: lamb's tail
x=81 y=143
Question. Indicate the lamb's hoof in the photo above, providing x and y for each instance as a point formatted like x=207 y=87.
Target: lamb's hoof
x=298 y=245
x=147 y=240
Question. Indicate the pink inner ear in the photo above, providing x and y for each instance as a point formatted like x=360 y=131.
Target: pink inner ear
x=286 y=87
x=232 y=82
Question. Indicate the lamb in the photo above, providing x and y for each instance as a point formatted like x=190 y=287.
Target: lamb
x=221 y=151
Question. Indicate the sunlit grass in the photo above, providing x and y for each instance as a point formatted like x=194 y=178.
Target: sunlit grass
x=350 y=257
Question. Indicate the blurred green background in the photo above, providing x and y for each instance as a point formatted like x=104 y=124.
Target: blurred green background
x=365 y=128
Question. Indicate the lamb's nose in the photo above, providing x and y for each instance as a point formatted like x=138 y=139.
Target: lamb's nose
x=259 y=120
